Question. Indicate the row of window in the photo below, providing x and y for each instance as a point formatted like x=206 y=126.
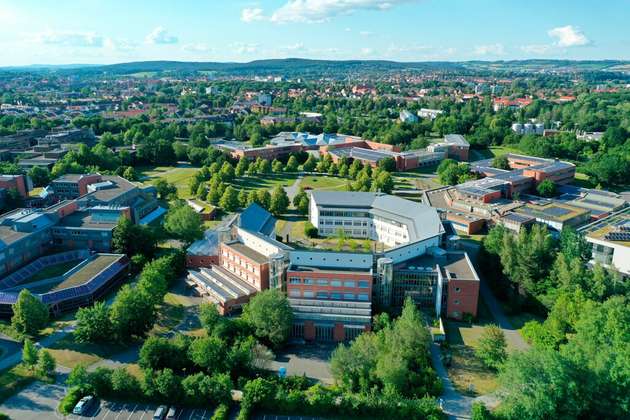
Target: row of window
x=243 y=263
x=353 y=232
x=296 y=293
x=332 y=213
x=363 y=284
x=344 y=222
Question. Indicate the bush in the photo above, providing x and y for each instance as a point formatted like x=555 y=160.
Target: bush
x=71 y=399
x=309 y=230
x=221 y=413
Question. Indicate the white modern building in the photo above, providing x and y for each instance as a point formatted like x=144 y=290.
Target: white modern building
x=405 y=227
x=429 y=113
x=610 y=240
x=407 y=117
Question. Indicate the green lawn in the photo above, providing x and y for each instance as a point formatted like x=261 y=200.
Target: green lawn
x=268 y=182
x=180 y=177
x=69 y=353
x=323 y=182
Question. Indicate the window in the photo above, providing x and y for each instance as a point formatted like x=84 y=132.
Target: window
x=309 y=281
x=308 y=294
x=363 y=296
x=295 y=280
x=294 y=293
x=458 y=289
x=348 y=284
x=456 y=302
x=335 y=283
x=348 y=296
x=322 y=282
x=322 y=295
x=335 y=295
x=364 y=284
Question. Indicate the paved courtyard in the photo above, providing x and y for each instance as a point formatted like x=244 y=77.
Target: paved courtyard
x=311 y=360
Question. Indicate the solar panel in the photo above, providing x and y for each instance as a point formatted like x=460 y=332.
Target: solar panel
x=618 y=236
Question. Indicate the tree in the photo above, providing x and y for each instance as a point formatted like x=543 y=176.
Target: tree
x=209 y=317
x=270 y=315
x=276 y=166
x=208 y=353
x=263 y=198
x=279 y=201
x=546 y=188
x=40 y=176
x=130 y=174
x=93 y=324
x=388 y=164
x=541 y=384
x=227 y=172
x=132 y=313
x=292 y=164
x=46 y=364
x=164 y=189
x=29 y=314
x=29 y=353
x=310 y=163
x=491 y=347
x=132 y=239
x=241 y=167
x=501 y=162
x=184 y=223
x=124 y=383
x=303 y=205
x=230 y=199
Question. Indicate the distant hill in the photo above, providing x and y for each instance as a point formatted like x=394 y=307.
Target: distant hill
x=300 y=66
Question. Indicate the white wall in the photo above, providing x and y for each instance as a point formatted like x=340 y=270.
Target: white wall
x=416 y=249
x=257 y=243
x=331 y=259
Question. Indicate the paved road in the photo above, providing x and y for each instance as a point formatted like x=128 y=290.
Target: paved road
x=36 y=402
x=294 y=188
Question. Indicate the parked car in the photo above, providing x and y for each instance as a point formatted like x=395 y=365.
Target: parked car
x=160 y=412
x=171 y=415
x=84 y=405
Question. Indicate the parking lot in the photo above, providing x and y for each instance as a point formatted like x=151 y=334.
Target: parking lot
x=129 y=411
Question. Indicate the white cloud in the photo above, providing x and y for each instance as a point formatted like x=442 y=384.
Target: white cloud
x=244 y=48
x=160 y=36
x=70 y=39
x=491 y=49
x=568 y=36
x=536 y=49
x=121 y=45
x=249 y=15
x=298 y=46
x=366 y=33
x=317 y=11
x=197 y=48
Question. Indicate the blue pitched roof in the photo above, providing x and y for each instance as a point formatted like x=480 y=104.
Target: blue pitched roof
x=257 y=219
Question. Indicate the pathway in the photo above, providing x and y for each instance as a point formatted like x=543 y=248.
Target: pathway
x=294 y=188
x=455 y=404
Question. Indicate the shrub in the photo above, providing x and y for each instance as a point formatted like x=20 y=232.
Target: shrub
x=71 y=399
x=309 y=230
x=221 y=413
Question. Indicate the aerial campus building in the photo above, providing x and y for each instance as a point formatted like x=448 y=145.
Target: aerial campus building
x=340 y=146
x=72 y=238
x=333 y=293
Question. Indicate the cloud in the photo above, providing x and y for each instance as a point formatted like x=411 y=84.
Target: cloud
x=568 y=36
x=160 y=36
x=366 y=33
x=491 y=49
x=317 y=11
x=536 y=49
x=249 y=15
x=298 y=46
x=197 y=48
x=367 y=51
x=244 y=48
x=70 y=39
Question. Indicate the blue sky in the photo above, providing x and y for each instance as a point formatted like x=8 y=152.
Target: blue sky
x=110 y=31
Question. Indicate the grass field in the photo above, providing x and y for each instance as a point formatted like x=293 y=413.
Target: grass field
x=67 y=352
x=298 y=239
x=466 y=371
x=268 y=182
x=180 y=177
x=323 y=182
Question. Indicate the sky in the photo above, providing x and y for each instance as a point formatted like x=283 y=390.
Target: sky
x=114 y=31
